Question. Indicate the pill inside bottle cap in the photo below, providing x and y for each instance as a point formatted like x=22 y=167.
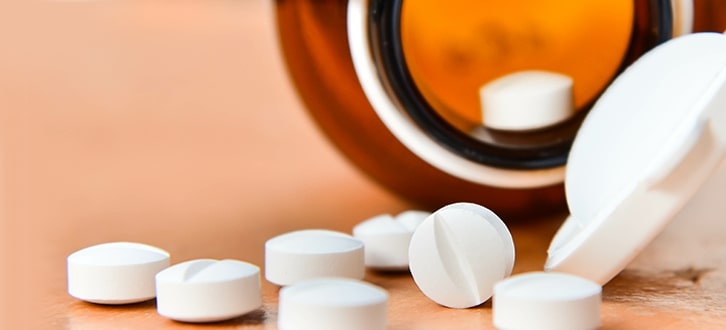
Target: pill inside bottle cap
x=652 y=139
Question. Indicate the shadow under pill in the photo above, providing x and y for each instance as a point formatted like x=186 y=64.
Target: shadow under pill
x=389 y=273
x=87 y=315
x=388 y=279
x=128 y=307
x=256 y=317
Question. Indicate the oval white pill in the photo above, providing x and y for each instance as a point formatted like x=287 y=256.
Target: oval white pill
x=386 y=239
x=542 y=300
x=332 y=304
x=313 y=253
x=458 y=253
x=527 y=100
x=207 y=290
x=115 y=273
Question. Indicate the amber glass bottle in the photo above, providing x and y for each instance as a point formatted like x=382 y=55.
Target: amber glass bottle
x=449 y=49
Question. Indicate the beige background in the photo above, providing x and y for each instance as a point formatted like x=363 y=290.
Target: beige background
x=161 y=122
x=173 y=123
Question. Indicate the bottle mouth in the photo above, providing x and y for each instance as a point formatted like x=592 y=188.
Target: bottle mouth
x=399 y=76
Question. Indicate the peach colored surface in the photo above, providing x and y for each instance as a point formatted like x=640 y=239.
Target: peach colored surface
x=173 y=124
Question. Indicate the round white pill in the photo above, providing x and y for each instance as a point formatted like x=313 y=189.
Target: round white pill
x=386 y=238
x=498 y=225
x=527 y=100
x=458 y=253
x=545 y=301
x=115 y=273
x=313 y=253
x=207 y=290
x=332 y=303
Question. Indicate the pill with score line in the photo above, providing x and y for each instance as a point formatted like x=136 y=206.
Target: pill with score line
x=208 y=290
x=458 y=253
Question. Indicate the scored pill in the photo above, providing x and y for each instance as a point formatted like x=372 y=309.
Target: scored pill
x=458 y=253
x=527 y=100
x=206 y=290
x=386 y=238
x=494 y=220
x=115 y=273
x=313 y=253
x=332 y=304
x=540 y=300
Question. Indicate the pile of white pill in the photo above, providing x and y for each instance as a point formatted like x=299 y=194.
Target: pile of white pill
x=459 y=256
x=203 y=290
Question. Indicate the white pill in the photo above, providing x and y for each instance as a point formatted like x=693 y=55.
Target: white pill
x=207 y=290
x=544 y=301
x=458 y=253
x=527 y=100
x=386 y=239
x=332 y=304
x=313 y=253
x=115 y=273
x=498 y=224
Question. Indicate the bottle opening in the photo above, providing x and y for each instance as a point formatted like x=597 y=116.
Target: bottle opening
x=434 y=59
x=453 y=48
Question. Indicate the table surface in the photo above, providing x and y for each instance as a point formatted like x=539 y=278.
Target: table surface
x=173 y=124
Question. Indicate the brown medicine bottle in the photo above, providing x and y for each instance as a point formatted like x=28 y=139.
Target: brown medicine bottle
x=432 y=56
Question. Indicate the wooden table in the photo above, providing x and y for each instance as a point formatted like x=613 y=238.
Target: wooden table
x=173 y=124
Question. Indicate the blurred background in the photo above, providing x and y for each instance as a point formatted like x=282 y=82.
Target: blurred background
x=167 y=122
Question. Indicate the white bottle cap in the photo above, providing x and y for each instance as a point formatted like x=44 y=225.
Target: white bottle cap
x=458 y=253
x=527 y=100
x=332 y=304
x=115 y=273
x=651 y=140
x=546 y=301
x=313 y=253
x=386 y=239
x=206 y=290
